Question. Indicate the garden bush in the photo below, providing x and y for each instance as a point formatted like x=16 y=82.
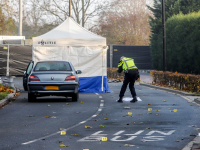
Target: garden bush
x=185 y=82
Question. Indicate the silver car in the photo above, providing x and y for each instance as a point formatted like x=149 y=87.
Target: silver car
x=51 y=78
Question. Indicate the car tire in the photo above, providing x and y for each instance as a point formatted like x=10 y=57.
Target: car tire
x=31 y=97
x=25 y=88
x=75 y=97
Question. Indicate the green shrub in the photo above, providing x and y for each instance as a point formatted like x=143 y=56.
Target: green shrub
x=3 y=95
x=182 y=44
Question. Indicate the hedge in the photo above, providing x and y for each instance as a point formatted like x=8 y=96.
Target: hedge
x=186 y=82
x=113 y=74
x=182 y=44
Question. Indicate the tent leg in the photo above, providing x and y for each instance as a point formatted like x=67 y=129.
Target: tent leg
x=102 y=69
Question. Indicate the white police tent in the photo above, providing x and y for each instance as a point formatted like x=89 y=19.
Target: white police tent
x=84 y=49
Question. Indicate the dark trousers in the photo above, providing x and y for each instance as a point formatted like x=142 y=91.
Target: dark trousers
x=129 y=78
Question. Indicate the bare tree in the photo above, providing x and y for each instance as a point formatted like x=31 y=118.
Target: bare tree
x=7 y=18
x=125 y=23
x=9 y=8
x=83 y=10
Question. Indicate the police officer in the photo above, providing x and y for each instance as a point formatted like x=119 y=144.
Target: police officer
x=127 y=65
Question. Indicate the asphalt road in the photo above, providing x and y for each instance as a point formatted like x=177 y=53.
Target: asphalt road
x=160 y=121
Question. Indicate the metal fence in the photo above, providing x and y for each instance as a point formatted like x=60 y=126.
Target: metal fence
x=19 y=57
x=140 y=54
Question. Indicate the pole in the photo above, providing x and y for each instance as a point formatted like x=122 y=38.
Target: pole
x=20 y=18
x=7 y=69
x=83 y=14
x=164 y=35
x=111 y=56
x=70 y=1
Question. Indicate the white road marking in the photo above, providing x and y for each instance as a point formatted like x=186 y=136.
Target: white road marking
x=90 y=139
x=97 y=133
x=82 y=122
x=97 y=136
x=117 y=137
x=137 y=133
x=102 y=101
x=153 y=138
x=118 y=133
x=163 y=133
x=94 y=137
x=35 y=140
x=101 y=105
x=100 y=96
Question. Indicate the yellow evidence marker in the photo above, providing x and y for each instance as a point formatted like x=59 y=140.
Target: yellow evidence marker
x=149 y=109
x=129 y=113
x=63 y=133
x=104 y=139
x=87 y=127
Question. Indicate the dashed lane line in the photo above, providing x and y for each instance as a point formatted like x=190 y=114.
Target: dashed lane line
x=80 y=123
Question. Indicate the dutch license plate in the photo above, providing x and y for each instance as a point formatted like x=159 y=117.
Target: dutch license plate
x=51 y=87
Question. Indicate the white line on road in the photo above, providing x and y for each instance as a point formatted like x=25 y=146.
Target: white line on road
x=163 y=133
x=137 y=133
x=97 y=133
x=35 y=140
x=82 y=122
x=101 y=104
x=117 y=137
x=97 y=136
x=118 y=133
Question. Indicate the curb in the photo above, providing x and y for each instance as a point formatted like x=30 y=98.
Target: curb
x=6 y=100
x=197 y=100
x=194 y=144
x=168 y=89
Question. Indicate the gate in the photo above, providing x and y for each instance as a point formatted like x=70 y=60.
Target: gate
x=140 y=54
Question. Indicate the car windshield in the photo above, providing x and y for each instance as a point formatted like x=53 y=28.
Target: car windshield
x=53 y=66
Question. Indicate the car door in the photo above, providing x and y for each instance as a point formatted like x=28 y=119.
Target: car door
x=26 y=74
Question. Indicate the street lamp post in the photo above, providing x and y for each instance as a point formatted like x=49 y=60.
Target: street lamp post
x=20 y=19
x=164 y=35
x=70 y=1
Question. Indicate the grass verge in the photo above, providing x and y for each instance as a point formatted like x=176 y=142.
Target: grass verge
x=3 y=95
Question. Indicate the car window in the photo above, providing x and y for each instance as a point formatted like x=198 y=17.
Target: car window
x=53 y=66
x=30 y=67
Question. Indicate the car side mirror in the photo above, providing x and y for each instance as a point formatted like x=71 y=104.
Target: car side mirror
x=78 y=72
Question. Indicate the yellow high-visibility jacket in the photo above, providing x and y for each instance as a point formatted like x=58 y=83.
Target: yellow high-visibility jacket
x=126 y=64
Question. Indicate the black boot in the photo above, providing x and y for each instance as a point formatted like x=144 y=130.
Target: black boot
x=134 y=100
x=120 y=100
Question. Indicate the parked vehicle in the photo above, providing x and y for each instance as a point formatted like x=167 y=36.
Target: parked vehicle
x=51 y=78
